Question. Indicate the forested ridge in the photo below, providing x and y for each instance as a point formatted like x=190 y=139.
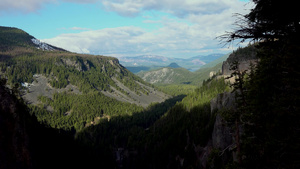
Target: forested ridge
x=85 y=71
x=91 y=74
x=22 y=63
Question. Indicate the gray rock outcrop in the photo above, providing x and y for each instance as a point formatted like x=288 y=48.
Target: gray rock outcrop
x=222 y=138
x=244 y=56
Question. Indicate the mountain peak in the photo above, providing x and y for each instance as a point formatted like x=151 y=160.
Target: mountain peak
x=11 y=37
x=173 y=65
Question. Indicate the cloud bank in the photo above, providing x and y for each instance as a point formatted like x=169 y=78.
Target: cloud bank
x=179 y=8
x=172 y=39
x=189 y=28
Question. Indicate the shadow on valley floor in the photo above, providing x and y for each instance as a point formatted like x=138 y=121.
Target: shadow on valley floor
x=25 y=143
x=157 y=138
x=113 y=139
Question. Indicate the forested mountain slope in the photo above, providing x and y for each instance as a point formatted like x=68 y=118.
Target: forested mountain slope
x=65 y=84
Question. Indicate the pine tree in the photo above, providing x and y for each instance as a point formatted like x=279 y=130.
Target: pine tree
x=269 y=20
x=272 y=109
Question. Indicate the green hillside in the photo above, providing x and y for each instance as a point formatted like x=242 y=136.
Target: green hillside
x=69 y=90
x=12 y=37
x=177 y=81
x=181 y=76
x=167 y=75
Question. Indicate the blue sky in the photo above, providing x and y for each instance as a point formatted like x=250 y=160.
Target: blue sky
x=172 y=28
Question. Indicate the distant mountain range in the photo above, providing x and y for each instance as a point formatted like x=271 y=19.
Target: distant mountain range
x=174 y=74
x=149 y=62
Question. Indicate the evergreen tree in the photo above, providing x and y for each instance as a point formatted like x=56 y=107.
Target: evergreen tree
x=235 y=116
x=272 y=128
x=269 y=20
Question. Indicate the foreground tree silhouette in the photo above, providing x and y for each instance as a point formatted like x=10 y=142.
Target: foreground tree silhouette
x=269 y=20
x=272 y=131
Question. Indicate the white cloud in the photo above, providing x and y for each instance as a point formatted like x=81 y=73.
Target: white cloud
x=177 y=7
x=104 y=41
x=28 y=6
x=79 y=28
x=22 y=5
x=81 y=1
x=197 y=23
x=75 y=28
x=174 y=38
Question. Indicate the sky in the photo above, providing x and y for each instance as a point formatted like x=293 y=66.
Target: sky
x=171 y=28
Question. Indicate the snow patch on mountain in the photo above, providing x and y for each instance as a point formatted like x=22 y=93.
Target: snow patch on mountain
x=42 y=45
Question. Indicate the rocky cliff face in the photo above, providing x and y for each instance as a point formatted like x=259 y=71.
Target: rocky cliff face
x=243 y=65
x=222 y=143
x=222 y=147
x=221 y=136
x=245 y=57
